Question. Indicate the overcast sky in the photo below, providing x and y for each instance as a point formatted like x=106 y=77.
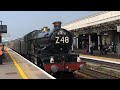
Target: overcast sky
x=19 y=23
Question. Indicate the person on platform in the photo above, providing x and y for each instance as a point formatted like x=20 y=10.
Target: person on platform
x=1 y=53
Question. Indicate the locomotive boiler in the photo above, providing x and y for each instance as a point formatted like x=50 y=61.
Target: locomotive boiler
x=49 y=49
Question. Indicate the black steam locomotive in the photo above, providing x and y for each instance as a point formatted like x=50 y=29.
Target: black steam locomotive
x=49 y=49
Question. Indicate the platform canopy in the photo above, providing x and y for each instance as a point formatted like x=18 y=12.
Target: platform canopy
x=102 y=21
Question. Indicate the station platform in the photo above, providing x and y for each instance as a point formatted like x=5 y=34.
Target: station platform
x=17 y=67
x=109 y=57
x=104 y=59
x=97 y=53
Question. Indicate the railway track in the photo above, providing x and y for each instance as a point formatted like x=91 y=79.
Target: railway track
x=107 y=66
x=104 y=64
x=92 y=74
x=99 y=70
x=85 y=74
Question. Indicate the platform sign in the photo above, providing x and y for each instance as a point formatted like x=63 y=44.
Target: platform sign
x=118 y=28
x=5 y=35
x=3 y=29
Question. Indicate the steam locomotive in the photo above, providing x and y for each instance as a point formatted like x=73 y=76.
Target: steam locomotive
x=49 y=49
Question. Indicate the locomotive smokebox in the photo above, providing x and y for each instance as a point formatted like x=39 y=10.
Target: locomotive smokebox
x=57 y=25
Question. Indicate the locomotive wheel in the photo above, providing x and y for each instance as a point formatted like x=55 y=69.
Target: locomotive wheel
x=28 y=57
x=40 y=63
x=41 y=66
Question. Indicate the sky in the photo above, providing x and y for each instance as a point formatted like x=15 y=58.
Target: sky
x=19 y=23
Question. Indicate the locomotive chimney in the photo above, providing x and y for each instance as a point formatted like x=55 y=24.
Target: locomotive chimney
x=57 y=25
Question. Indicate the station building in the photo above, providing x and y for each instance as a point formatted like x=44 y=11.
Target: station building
x=100 y=28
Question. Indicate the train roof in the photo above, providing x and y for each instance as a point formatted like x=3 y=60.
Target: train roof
x=31 y=35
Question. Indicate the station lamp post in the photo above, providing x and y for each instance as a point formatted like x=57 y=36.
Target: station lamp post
x=1 y=22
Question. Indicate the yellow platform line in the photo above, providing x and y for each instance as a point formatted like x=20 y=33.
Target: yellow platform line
x=23 y=75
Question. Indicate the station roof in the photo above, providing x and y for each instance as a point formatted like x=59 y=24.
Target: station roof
x=103 y=19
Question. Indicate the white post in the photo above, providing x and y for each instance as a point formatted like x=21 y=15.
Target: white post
x=77 y=42
x=89 y=42
x=98 y=41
